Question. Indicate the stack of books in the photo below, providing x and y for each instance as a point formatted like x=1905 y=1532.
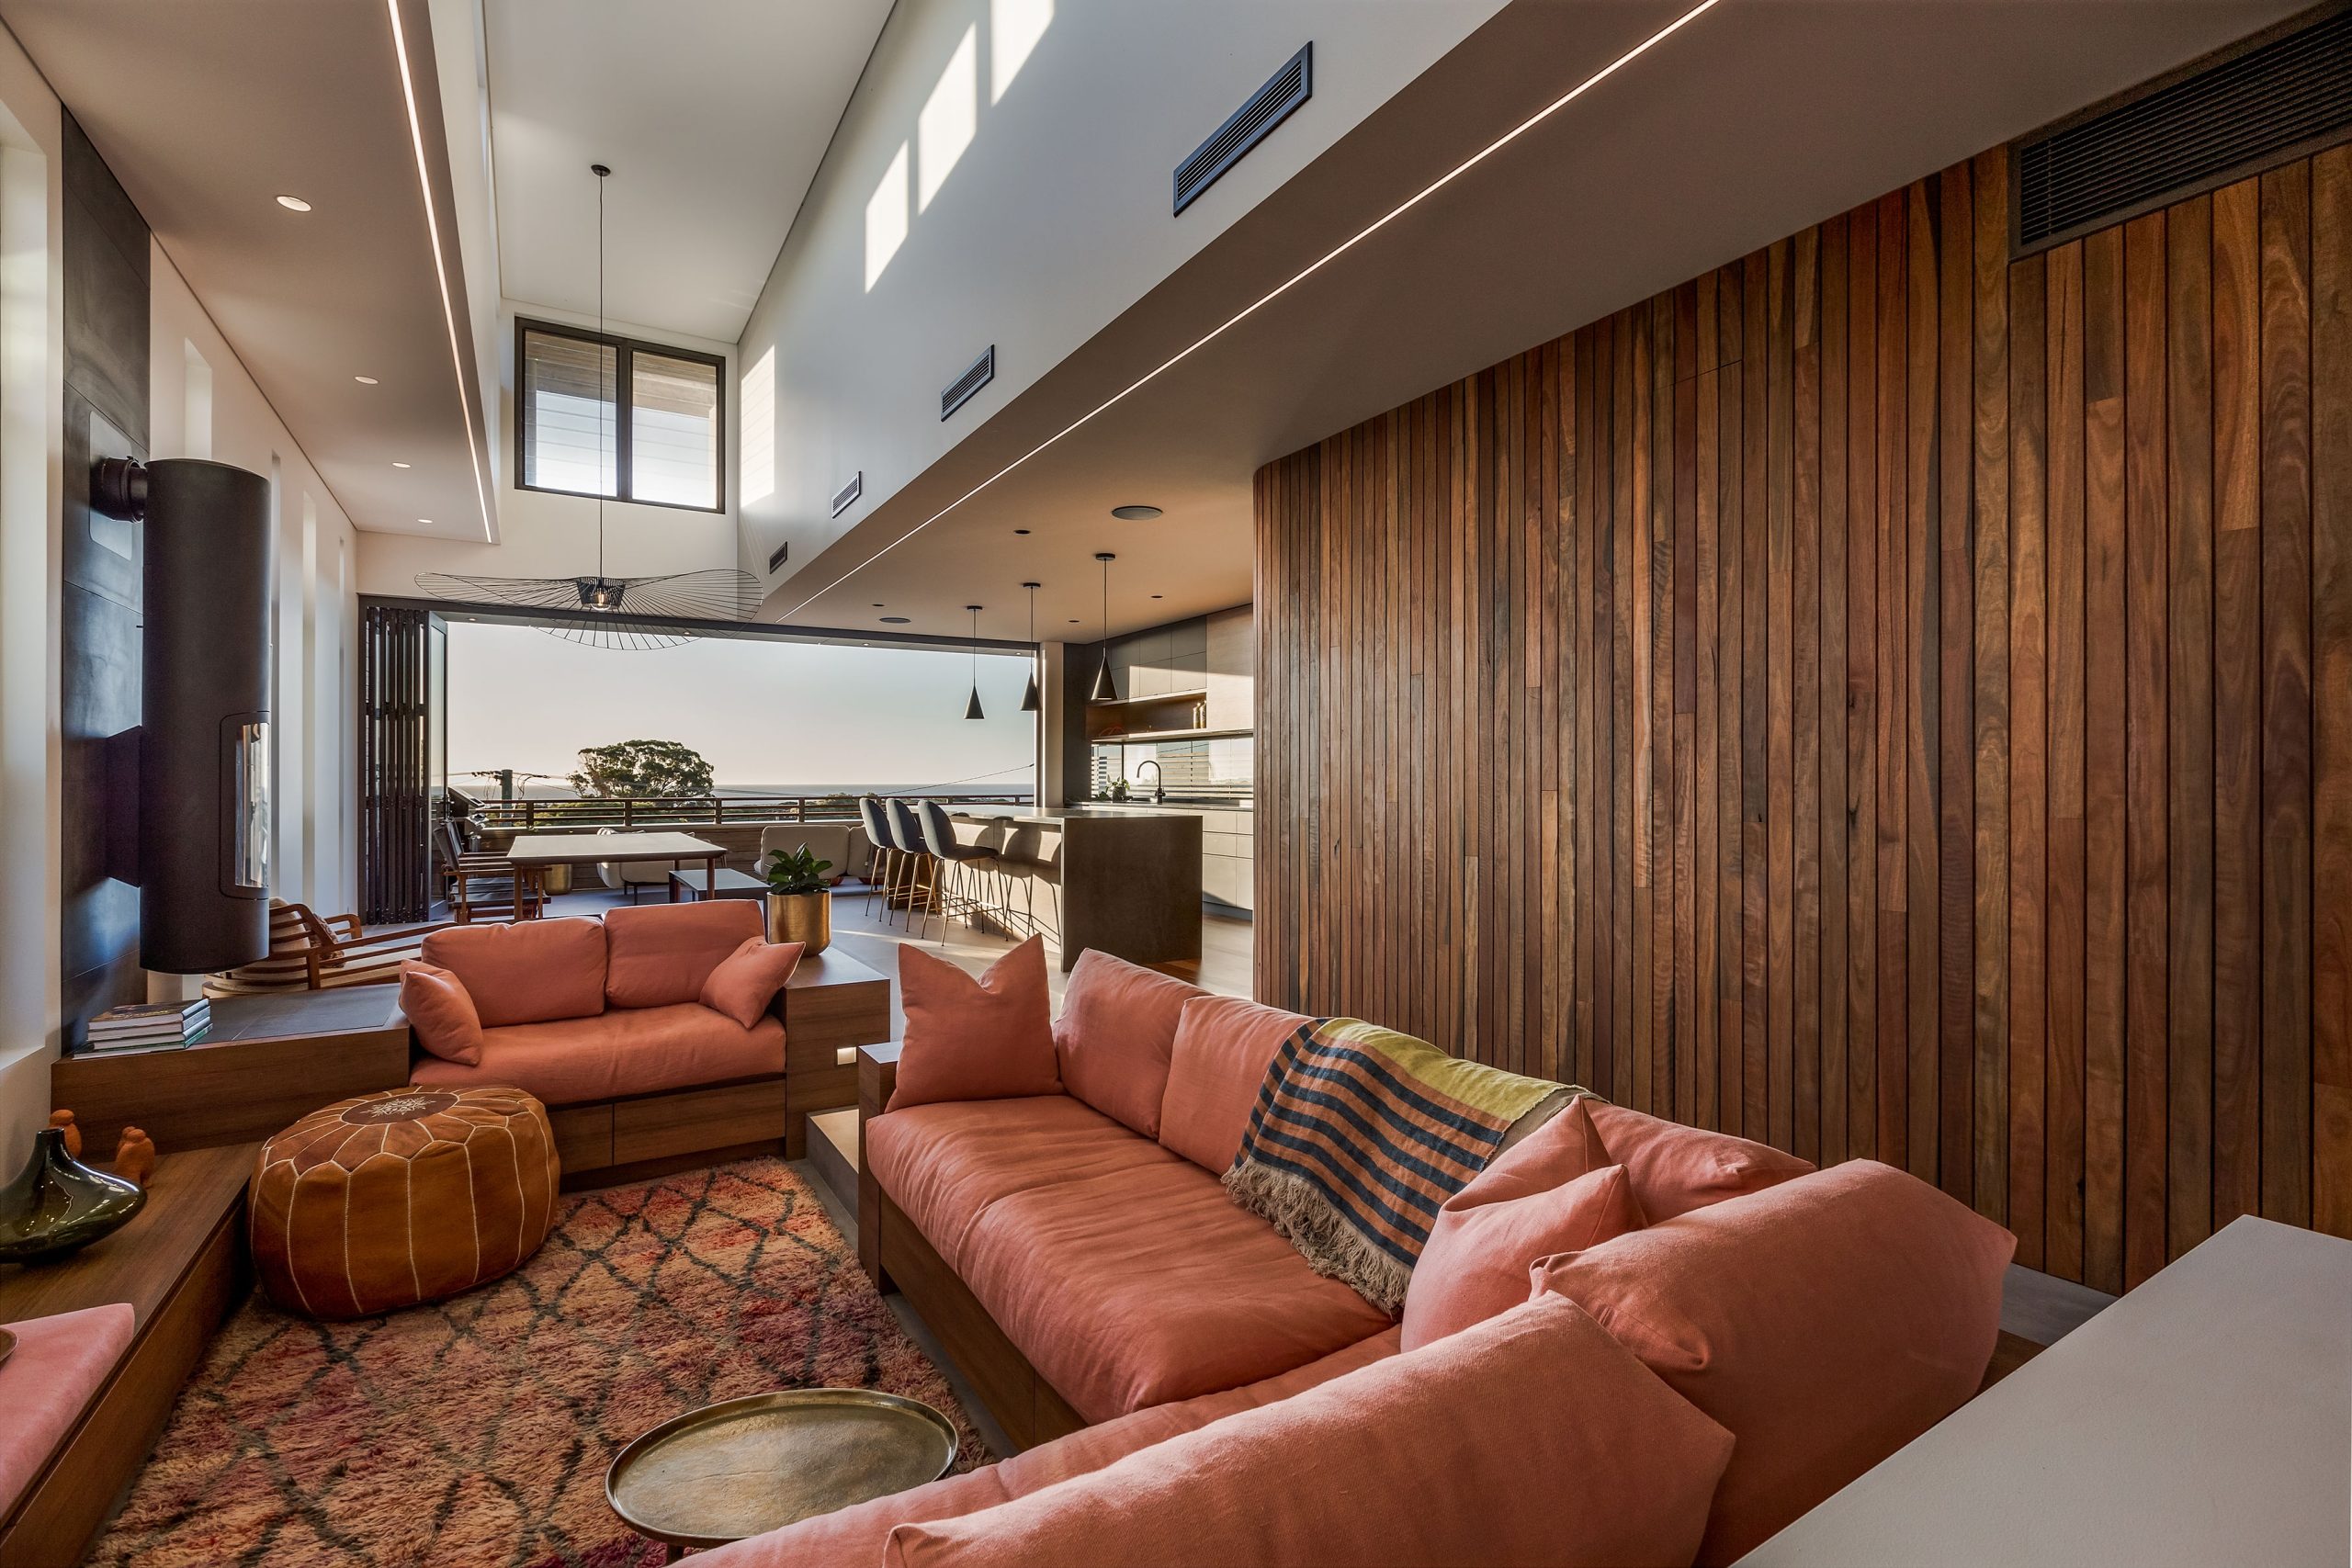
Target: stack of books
x=151 y=1026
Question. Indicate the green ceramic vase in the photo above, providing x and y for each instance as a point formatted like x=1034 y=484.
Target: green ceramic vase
x=58 y=1205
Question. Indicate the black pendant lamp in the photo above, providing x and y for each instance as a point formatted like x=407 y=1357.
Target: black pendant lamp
x=1106 y=689
x=1030 y=700
x=972 y=708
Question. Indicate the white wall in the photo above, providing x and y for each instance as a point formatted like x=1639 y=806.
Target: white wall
x=1034 y=231
x=32 y=433
x=544 y=535
x=315 y=628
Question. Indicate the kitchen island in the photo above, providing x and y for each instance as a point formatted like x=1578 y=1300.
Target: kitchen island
x=1130 y=877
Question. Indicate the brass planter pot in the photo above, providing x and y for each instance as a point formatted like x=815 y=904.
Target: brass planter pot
x=803 y=918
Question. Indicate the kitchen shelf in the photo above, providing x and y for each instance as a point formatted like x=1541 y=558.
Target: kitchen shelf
x=1169 y=735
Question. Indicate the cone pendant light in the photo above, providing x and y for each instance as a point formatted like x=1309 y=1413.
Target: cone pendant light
x=1030 y=701
x=1106 y=689
x=972 y=708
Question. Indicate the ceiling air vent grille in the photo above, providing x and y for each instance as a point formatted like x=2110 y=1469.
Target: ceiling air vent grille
x=846 y=497
x=1251 y=123
x=780 y=555
x=2264 y=106
x=959 y=391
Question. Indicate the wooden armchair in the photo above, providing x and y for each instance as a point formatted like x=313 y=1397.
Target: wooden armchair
x=476 y=884
x=309 y=952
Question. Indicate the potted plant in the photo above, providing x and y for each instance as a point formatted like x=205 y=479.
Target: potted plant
x=799 y=909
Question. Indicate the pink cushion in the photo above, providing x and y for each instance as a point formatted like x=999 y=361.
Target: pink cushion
x=442 y=1016
x=747 y=980
x=942 y=1164
x=1825 y=1322
x=1140 y=1285
x=855 y=1534
x=529 y=972
x=1676 y=1169
x=1532 y=1437
x=1218 y=1063
x=661 y=954
x=1486 y=1238
x=1115 y=1036
x=987 y=1039
x=627 y=1051
x=58 y=1368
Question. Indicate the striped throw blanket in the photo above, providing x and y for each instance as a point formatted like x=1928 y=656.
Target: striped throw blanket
x=1358 y=1134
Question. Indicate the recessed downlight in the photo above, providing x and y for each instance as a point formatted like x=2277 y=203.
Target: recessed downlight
x=365 y=380
x=1135 y=514
x=1159 y=595
x=426 y=521
x=895 y=620
x=1020 y=530
x=293 y=204
x=399 y=465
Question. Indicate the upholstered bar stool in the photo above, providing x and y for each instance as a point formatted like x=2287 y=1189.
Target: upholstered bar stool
x=1032 y=855
x=879 y=851
x=964 y=860
x=906 y=840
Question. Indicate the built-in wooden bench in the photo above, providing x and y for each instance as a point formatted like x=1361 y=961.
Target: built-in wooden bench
x=180 y=1263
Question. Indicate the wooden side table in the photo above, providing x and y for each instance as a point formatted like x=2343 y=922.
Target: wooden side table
x=832 y=1005
x=268 y=1061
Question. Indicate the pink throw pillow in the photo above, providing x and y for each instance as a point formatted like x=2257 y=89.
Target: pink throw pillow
x=1677 y=1168
x=1825 y=1322
x=1117 y=1034
x=1532 y=1437
x=1474 y=1266
x=747 y=980
x=1218 y=1064
x=987 y=1039
x=441 y=1012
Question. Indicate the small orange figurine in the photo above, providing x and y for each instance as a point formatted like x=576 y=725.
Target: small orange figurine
x=64 y=1120
x=134 y=1156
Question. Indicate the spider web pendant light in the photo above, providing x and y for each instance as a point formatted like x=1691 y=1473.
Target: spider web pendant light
x=609 y=611
x=1106 y=689
x=972 y=708
x=1030 y=701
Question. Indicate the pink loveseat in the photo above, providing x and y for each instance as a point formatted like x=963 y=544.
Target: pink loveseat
x=1677 y=1393
x=577 y=1010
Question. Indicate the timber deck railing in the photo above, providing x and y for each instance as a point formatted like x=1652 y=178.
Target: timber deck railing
x=695 y=810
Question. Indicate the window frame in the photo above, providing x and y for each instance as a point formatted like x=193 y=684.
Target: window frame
x=625 y=352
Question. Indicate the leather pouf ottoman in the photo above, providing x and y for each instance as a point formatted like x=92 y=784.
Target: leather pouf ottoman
x=399 y=1197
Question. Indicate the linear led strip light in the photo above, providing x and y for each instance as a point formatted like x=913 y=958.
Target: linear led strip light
x=440 y=266
x=1472 y=162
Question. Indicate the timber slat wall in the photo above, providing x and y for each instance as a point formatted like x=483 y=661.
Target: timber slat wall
x=1878 y=698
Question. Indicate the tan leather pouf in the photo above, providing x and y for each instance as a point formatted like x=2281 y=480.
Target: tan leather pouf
x=399 y=1197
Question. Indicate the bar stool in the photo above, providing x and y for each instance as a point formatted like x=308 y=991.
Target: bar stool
x=878 y=848
x=906 y=838
x=1024 y=859
x=958 y=858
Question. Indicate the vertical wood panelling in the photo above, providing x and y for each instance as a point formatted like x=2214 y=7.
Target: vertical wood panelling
x=1878 y=697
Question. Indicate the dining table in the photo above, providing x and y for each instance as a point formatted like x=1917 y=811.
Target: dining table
x=535 y=852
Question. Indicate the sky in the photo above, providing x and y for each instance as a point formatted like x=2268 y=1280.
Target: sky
x=771 y=714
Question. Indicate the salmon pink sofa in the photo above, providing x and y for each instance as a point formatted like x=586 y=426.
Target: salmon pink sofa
x=1627 y=1342
x=604 y=1020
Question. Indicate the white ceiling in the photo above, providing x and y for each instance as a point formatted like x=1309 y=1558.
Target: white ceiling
x=206 y=113
x=713 y=115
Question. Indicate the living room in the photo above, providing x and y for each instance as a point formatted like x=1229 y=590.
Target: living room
x=1458 y=783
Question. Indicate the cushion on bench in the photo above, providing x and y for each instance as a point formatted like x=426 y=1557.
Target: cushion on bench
x=529 y=972
x=855 y=1534
x=59 y=1365
x=630 y=1051
x=942 y=1163
x=1141 y=1285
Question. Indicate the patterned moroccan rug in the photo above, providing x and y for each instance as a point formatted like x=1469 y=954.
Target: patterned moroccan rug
x=477 y=1431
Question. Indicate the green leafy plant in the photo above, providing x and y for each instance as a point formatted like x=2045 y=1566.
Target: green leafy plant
x=794 y=871
x=641 y=768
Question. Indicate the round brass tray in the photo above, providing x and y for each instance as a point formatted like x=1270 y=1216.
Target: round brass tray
x=747 y=1466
